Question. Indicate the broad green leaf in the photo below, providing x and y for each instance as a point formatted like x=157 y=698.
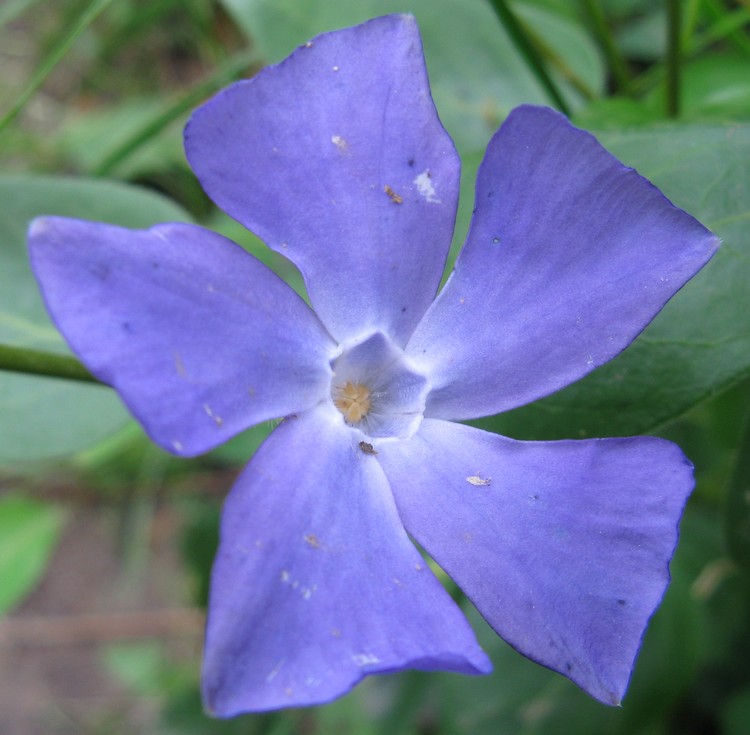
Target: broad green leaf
x=40 y=417
x=28 y=534
x=699 y=344
x=476 y=74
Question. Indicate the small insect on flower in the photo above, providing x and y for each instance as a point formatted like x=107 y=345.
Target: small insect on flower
x=331 y=587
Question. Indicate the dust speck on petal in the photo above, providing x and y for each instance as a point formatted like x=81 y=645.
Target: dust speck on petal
x=426 y=188
x=365 y=659
x=275 y=670
x=367 y=448
x=340 y=143
x=209 y=412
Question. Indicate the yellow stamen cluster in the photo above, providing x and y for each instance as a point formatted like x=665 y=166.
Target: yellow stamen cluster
x=353 y=400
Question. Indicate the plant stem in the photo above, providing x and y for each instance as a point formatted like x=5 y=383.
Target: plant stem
x=526 y=48
x=673 y=58
x=59 y=50
x=36 y=362
x=603 y=34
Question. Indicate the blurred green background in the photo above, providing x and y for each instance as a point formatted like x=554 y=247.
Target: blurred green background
x=106 y=542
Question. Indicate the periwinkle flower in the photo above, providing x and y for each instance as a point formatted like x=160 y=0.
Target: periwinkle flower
x=336 y=158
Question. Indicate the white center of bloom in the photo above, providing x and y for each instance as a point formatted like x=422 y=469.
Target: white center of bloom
x=376 y=390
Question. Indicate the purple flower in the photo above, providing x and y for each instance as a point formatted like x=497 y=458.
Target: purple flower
x=336 y=158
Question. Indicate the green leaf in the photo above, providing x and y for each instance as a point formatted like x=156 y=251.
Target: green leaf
x=477 y=75
x=135 y=665
x=736 y=713
x=617 y=113
x=29 y=532
x=44 y=418
x=699 y=344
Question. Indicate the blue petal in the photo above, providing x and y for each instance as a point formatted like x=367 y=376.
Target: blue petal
x=570 y=255
x=316 y=584
x=336 y=159
x=199 y=339
x=563 y=546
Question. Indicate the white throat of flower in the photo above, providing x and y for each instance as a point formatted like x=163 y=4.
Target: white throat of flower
x=376 y=390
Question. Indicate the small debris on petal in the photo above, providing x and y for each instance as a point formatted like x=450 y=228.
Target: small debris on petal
x=478 y=481
x=209 y=412
x=178 y=364
x=313 y=540
x=395 y=198
x=365 y=659
x=367 y=448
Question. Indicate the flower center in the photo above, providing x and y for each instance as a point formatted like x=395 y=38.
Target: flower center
x=376 y=390
x=353 y=400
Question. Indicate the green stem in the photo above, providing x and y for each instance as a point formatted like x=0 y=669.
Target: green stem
x=48 y=64
x=603 y=34
x=673 y=58
x=526 y=48
x=36 y=362
x=152 y=127
x=699 y=42
x=737 y=518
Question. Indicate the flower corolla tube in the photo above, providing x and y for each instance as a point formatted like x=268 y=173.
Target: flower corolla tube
x=336 y=159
